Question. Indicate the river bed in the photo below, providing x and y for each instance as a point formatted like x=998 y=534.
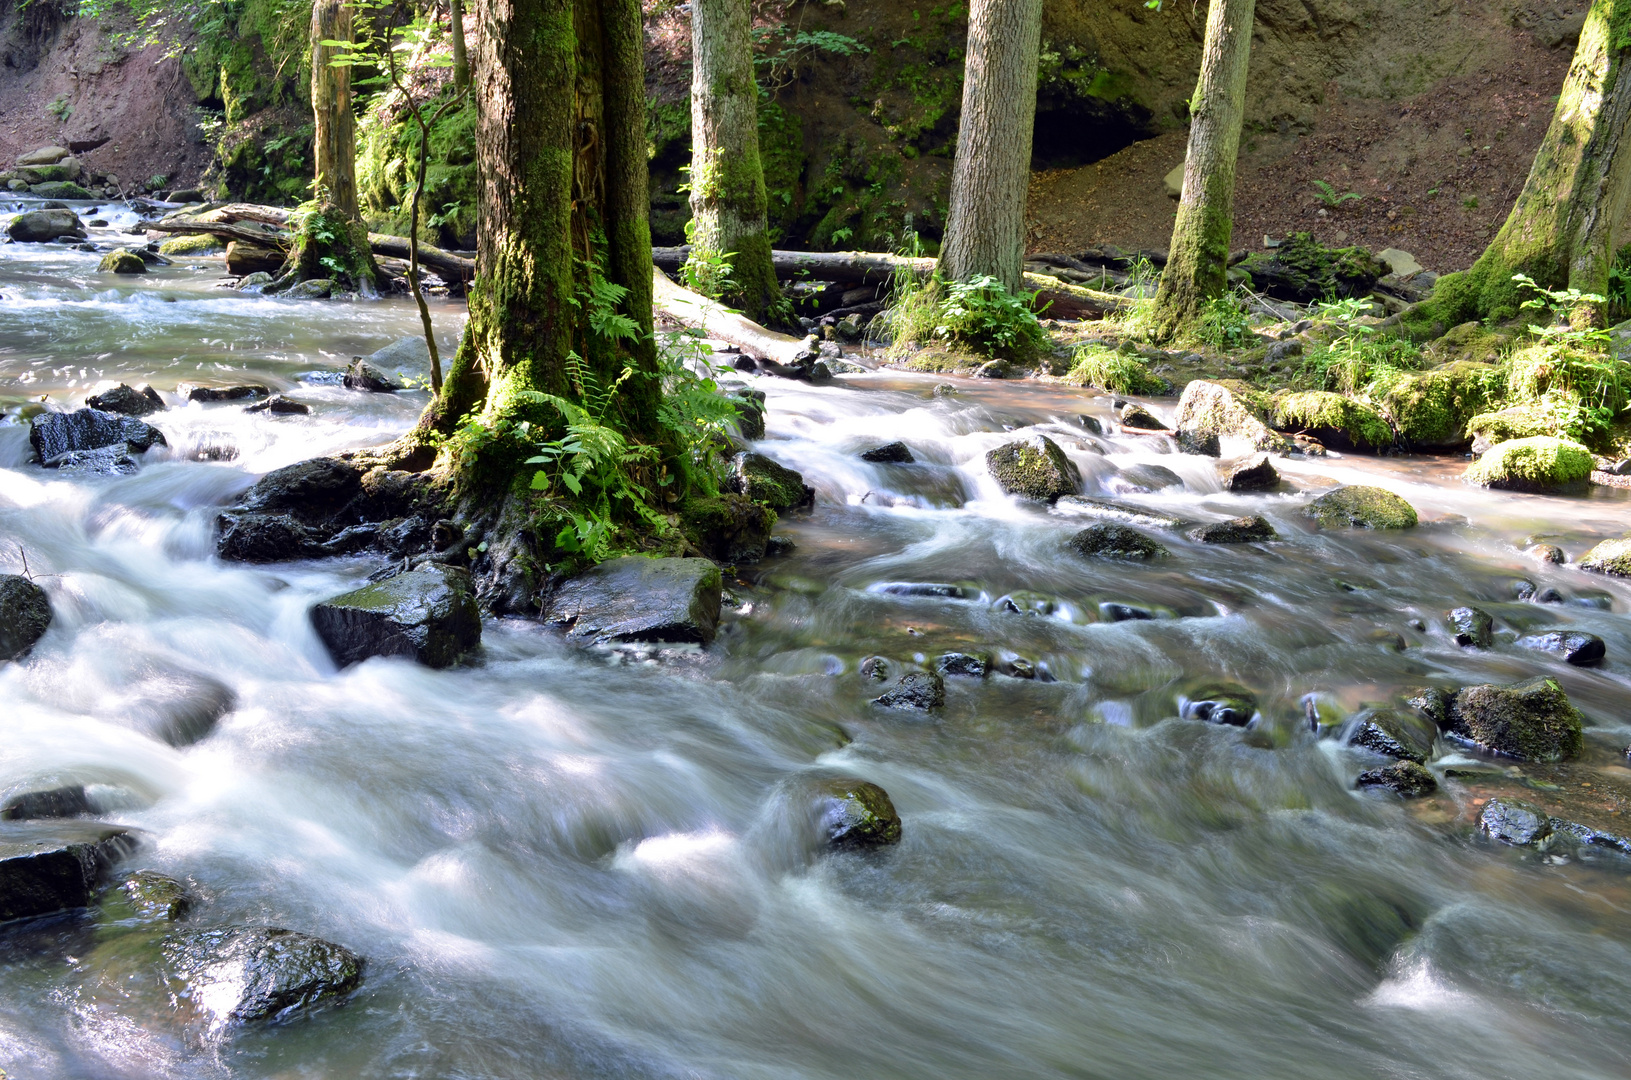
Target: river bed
x=569 y=863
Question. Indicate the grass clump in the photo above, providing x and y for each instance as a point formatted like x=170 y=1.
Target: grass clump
x=1116 y=372
x=978 y=316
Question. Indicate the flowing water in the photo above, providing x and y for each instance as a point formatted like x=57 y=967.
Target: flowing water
x=578 y=864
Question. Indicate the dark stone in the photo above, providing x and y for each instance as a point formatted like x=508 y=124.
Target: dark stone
x=1303 y=270
x=362 y=375
x=240 y=974
x=1219 y=704
x=765 y=481
x=1471 y=627
x=640 y=599
x=319 y=487
x=857 y=814
x=54 y=434
x=178 y=707
x=1548 y=595
x=43 y=226
x=1407 y=779
x=428 y=613
x=277 y=403
x=25 y=615
x=1110 y=541
x=1134 y=415
x=1251 y=473
x=49 y=866
x=1573 y=646
x=1531 y=721
x=1432 y=704
x=1034 y=468
x=732 y=528
x=1090 y=424
x=1205 y=443
x=251 y=537
x=62 y=802
x=245 y=258
x=779 y=545
x=127 y=401
x=1017 y=668
x=1148 y=478
x=1549 y=554
x=1523 y=589
x=750 y=409
x=889 y=452
x=1245 y=530
x=1514 y=822
x=149 y=895
x=974 y=665
x=1112 y=611
x=1394 y=734
x=226 y=393
x=874 y=668
x=921 y=588
x=919 y=690
x=108 y=461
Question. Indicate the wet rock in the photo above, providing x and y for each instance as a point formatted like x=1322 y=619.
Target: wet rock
x=1542 y=463
x=62 y=802
x=1545 y=554
x=1017 y=668
x=245 y=258
x=361 y=375
x=750 y=410
x=779 y=545
x=1243 y=530
x=25 y=615
x=765 y=481
x=127 y=401
x=1548 y=595
x=1111 y=541
x=1146 y=478
x=1088 y=506
x=1033 y=468
x=1113 y=611
x=55 y=434
x=1194 y=442
x=1218 y=703
x=1471 y=628
x=227 y=393
x=311 y=289
x=1611 y=557
x=279 y=404
x=428 y=613
x=1523 y=589
x=177 y=707
x=973 y=665
x=640 y=599
x=991 y=369
x=1134 y=415
x=1331 y=419
x=254 y=283
x=267 y=538
x=1432 y=704
x=1514 y=822
x=1532 y=721
x=149 y=895
x=43 y=226
x=321 y=486
x=1252 y=473
x=922 y=691
x=108 y=461
x=1407 y=779
x=874 y=669
x=194 y=244
x=1090 y=424
x=241 y=974
x=49 y=866
x=731 y=528
x=1227 y=410
x=1393 y=734
x=1362 y=507
x=1572 y=646
x=921 y=588
x=889 y=452
x=121 y=261
x=857 y=814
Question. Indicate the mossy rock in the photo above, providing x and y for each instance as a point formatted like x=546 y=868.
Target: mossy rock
x=1531 y=721
x=768 y=482
x=1304 y=270
x=195 y=244
x=1518 y=422
x=1541 y=463
x=1361 y=507
x=857 y=814
x=1332 y=419
x=1111 y=541
x=1471 y=341
x=122 y=261
x=730 y=528
x=60 y=189
x=1612 y=557
x=1034 y=468
x=1228 y=409
x=1430 y=409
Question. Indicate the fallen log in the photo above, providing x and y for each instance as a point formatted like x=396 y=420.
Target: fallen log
x=257 y=230
x=1057 y=299
x=860 y=267
x=712 y=318
x=450 y=266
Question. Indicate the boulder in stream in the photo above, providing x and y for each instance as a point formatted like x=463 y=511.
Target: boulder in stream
x=1242 y=530
x=1531 y=721
x=639 y=599
x=50 y=866
x=280 y=405
x=25 y=615
x=921 y=691
x=1471 y=627
x=428 y=613
x=60 y=802
x=1135 y=416
x=1194 y=442
x=1145 y=479
x=245 y=258
x=43 y=226
x=59 y=189
x=1612 y=557
x=1407 y=779
x=1226 y=410
x=148 y=895
x=1514 y=822
x=240 y=974
x=1393 y=734
x=1541 y=463
x=176 y=706
x=54 y=434
x=895 y=452
x=127 y=401
x=1034 y=468
x=1108 y=540
x=1331 y=419
x=732 y=528
x=310 y=289
x=973 y=665
x=1362 y=507
x=1218 y=703
x=362 y=375
x=122 y=261
x=857 y=814
x=241 y=392
x=1572 y=646
x=768 y=482
x=1251 y=473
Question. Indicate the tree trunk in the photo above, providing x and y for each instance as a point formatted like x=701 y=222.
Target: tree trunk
x=1560 y=230
x=985 y=225
x=727 y=180
x=335 y=138
x=1198 y=258
x=461 y=61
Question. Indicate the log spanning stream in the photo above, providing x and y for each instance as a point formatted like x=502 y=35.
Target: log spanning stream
x=560 y=862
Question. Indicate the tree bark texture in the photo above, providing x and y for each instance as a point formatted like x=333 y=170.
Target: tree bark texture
x=727 y=178
x=1560 y=230
x=1198 y=258
x=560 y=145
x=461 y=59
x=985 y=224
x=335 y=138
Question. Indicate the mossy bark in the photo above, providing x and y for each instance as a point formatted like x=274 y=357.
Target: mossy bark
x=985 y=223
x=727 y=178
x=1560 y=230
x=1198 y=260
x=461 y=59
x=335 y=138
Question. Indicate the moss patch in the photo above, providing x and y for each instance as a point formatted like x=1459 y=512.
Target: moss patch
x=1519 y=422
x=1332 y=418
x=1362 y=507
x=1430 y=409
x=1541 y=463
x=1304 y=270
x=196 y=244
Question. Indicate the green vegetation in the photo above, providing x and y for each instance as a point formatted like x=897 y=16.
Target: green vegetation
x=1224 y=323
x=1117 y=372
x=977 y=316
x=1540 y=463
x=1328 y=195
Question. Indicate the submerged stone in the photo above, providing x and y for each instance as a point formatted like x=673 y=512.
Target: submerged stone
x=50 y=866
x=1243 y=530
x=1362 y=507
x=428 y=614
x=768 y=482
x=242 y=974
x=922 y=691
x=1532 y=721
x=1471 y=627
x=1033 y=468
x=25 y=615
x=61 y=802
x=178 y=707
x=640 y=599
x=1218 y=703
x=974 y=665
x=1393 y=734
x=277 y=403
x=857 y=814
x=1254 y=473
x=896 y=452
x=1111 y=541
x=1573 y=646
x=1146 y=479
x=1407 y=779
x=150 y=895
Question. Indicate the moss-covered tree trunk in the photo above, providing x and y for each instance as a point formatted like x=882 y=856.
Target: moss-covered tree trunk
x=1560 y=229
x=728 y=202
x=335 y=137
x=461 y=59
x=985 y=224
x=560 y=144
x=1198 y=258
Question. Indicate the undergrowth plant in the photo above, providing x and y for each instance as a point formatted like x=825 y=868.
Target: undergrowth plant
x=1117 y=372
x=1329 y=195
x=1355 y=359
x=1224 y=323
x=1570 y=373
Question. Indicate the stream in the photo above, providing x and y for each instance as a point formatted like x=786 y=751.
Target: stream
x=576 y=863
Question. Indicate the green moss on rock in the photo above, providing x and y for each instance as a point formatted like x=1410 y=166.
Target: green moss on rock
x=765 y=481
x=1361 y=507
x=1518 y=422
x=1332 y=418
x=1304 y=270
x=1541 y=463
x=1611 y=557
x=1532 y=721
x=122 y=261
x=196 y=244
x=1430 y=409
x=1034 y=468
